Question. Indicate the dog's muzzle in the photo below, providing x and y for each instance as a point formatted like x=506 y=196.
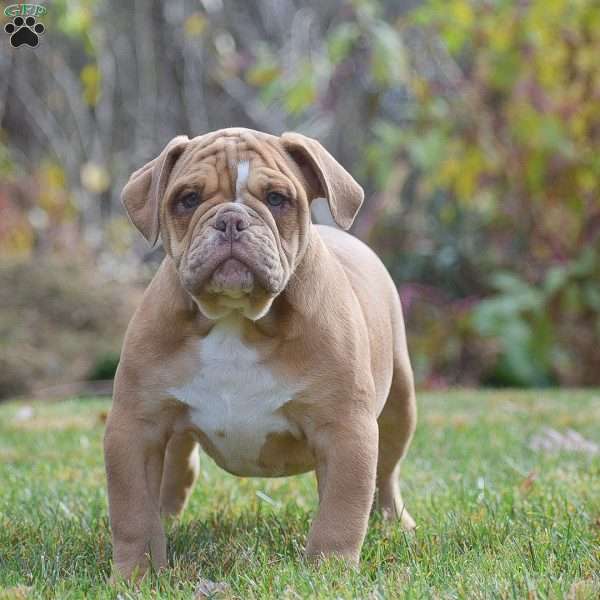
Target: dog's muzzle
x=232 y=254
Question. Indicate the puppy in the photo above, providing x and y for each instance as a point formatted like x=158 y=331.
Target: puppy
x=276 y=345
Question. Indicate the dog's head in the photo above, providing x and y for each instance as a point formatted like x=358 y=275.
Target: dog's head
x=233 y=211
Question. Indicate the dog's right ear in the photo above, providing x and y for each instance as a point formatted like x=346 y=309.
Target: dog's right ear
x=143 y=192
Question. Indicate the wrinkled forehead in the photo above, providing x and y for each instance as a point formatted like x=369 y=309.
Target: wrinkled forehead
x=232 y=153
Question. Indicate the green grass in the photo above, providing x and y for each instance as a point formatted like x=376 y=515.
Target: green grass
x=495 y=519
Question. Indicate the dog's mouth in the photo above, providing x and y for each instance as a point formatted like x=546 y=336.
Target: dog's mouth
x=219 y=287
x=239 y=276
x=231 y=278
x=229 y=275
x=244 y=273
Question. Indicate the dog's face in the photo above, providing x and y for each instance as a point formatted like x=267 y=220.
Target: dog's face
x=233 y=211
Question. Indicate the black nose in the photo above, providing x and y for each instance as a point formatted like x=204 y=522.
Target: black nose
x=231 y=222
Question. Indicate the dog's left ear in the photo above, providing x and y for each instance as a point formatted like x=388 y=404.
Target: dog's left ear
x=327 y=178
x=143 y=192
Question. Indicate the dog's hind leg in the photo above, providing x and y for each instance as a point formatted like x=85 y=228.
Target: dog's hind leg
x=180 y=471
x=396 y=423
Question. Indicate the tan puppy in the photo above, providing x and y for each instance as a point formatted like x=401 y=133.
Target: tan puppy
x=275 y=344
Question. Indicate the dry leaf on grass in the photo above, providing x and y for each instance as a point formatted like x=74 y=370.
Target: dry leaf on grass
x=20 y=592
x=23 y=414
x=549 y=440
x=210 y=589
x=585 y=589
x=528 y=482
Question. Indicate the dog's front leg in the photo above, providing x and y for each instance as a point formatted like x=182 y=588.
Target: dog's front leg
x=134 y=453
x=346 y=468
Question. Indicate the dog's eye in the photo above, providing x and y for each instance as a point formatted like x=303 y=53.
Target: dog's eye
x=275 y=199
x=187 y=203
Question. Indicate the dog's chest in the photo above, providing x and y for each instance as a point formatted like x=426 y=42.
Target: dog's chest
x=235 y=400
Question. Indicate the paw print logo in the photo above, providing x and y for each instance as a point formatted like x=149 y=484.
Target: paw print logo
x=24 y=31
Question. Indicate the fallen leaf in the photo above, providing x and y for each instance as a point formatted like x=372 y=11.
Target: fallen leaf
x=583 y=589
x=549 y=440
x=19 y=592
x=528 y=482
x=24 y=414
x=210 y=589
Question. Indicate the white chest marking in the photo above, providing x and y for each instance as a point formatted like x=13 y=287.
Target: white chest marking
x=243 y=170
x=235 y=399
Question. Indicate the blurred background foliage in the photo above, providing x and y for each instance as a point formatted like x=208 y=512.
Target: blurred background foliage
x=473 y=125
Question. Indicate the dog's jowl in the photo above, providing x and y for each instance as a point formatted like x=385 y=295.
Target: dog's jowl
x=275 y=345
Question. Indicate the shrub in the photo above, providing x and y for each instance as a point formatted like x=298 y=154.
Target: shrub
x=505 y=140
x=57 y=321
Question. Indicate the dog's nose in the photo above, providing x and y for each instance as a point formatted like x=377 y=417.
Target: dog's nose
x=231 y=223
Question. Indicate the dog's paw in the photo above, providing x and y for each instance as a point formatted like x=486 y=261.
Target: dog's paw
x=407 y=522
x=129 y=575
x=392 y=514
x=24 y=31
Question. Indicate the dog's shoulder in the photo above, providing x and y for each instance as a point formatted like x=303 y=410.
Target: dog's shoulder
x=364 y=269
x=161 y=327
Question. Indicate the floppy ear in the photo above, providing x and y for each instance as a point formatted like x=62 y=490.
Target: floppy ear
x=327 y=178
x=143 y=192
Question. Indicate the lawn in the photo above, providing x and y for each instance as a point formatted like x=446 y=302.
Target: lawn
x=496 y=518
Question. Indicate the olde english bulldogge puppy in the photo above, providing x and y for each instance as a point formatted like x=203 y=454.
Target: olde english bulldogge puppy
x=275 y=344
